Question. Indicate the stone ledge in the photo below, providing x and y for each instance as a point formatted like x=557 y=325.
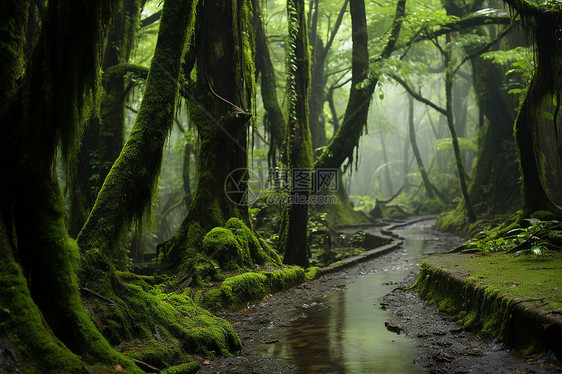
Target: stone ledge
x=467 y=285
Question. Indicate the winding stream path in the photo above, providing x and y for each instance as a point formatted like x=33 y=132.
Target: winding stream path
x=337 y=324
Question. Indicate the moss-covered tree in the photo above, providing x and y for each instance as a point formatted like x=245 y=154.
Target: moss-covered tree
x=220 y=104
x=128 y=190
x=103 y=137
x=542 y=22
x=345 y=141
x=293 y=234
x=46 y=107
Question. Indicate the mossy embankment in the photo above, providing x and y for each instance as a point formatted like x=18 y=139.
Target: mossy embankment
x=517 y=299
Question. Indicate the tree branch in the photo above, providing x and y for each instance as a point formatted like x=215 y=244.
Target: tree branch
x=154 y=17
x=417 y=96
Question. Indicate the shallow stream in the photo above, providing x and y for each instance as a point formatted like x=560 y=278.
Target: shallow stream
x=335 y=324
x=345 y=331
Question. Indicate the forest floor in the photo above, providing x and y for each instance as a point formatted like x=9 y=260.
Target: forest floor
x=443 y=347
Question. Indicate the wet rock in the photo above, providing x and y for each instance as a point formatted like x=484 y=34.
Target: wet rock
x=392 y=327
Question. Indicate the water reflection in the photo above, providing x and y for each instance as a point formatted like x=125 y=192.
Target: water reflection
x=345 y=332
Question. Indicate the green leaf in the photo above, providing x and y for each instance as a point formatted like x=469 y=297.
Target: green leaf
x=514 y=91
x=536 y=250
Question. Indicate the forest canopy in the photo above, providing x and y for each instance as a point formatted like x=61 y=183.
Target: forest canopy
x=166 y=159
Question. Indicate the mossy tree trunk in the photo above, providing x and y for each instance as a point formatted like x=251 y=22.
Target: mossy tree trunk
x=542 y=22
x=46 y=108
x=128 y=190
x=103 y=138
x=535 y=196
x=264 y=67
x=494 y=185
x=293 y=234
x=495 y=181
x=221 y=103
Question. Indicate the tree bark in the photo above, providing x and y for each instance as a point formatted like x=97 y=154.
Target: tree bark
x=293 y=235
x=535 y=197
x=220 y=104
x=48 y=105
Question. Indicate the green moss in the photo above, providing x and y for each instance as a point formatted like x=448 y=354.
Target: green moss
x=311 y=273
x=142 y=313
x=260 y=252
x=240 y=289
x=154 y=352
x=188 y=368
x=223 y=246
x=22 y=323
x=481 y=289
x=543 y=215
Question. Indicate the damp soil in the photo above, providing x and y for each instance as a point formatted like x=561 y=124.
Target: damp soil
x=362 y=320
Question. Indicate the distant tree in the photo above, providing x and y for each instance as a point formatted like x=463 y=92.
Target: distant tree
x=274 y=119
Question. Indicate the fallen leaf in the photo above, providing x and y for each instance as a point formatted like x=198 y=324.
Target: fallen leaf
x=206 y=362
x=117 y=367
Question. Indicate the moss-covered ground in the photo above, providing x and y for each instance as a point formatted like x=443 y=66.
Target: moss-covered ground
x=499 y=294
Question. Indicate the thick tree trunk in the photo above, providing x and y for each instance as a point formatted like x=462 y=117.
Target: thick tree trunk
x=48 y=106
x=112 y=114
x=220 y=106
x=495 y=180
x=103 y=138
x=535 y=196
x=293 y=235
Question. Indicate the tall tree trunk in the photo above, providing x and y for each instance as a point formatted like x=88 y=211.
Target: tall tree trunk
x=494 y=187
x=264 y=67
x=293 y=235
x=47 y=108
x=129 y=187
x=412 y=132
x=103 y=138
x=535 y=196
x=449 y=74
x=318 y=80
x=221 y=105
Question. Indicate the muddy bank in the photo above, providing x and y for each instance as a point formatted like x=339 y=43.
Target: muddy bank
x=439 y=346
